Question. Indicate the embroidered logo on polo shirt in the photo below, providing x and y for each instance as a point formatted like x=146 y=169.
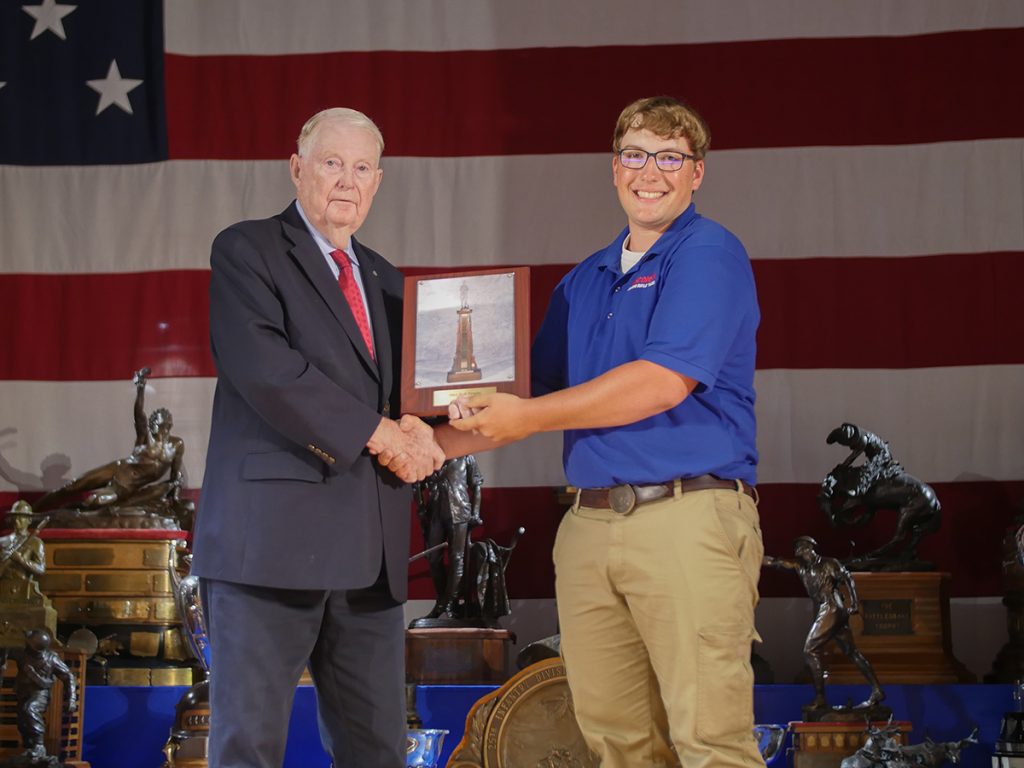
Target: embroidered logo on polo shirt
x=643 y=281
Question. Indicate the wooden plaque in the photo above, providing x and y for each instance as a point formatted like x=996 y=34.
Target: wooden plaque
x=464 y=333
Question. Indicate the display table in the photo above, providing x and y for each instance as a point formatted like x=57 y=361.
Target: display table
x=126 y=727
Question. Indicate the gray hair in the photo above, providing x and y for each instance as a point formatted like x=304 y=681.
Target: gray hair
x=352 y=117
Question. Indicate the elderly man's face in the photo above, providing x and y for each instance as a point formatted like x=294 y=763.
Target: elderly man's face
x=336 y=180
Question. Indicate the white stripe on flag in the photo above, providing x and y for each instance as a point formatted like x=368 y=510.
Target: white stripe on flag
x=958 y=197
x=268 y=27
x=977 y=409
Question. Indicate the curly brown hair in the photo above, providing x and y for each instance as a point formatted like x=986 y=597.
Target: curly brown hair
x=666 y=117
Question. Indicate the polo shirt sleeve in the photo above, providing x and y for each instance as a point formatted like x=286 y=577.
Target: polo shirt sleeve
x=707 y=298
x=548 y=358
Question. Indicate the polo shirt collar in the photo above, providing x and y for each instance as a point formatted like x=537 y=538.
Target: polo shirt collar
x=611 y=258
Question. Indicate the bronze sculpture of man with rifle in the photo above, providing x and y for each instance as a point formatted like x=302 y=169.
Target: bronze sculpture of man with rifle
x=22 y=556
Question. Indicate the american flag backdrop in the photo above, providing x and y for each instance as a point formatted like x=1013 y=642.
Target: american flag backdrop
x=869 y=154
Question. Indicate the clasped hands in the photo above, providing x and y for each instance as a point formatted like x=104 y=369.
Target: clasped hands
x=406 y=447
x=409 y=449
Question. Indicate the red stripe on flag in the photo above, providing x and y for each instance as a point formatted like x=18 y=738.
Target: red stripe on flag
x=945 y=310
x=881 y=90
x=95 y=327
x=927 y=311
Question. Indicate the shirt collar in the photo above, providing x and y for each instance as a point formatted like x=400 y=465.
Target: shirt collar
x=611 y=258
x=322 y=242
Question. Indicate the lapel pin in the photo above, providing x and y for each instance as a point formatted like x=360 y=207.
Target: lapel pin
x=375 y=273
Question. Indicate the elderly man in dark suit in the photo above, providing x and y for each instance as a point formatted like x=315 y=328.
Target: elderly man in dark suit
x=302 y=538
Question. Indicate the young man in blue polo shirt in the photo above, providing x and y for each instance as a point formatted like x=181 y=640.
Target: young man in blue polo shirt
x=646 y=360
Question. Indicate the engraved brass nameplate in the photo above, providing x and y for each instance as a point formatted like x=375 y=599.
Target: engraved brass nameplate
x=887 y=617
x=443 y=397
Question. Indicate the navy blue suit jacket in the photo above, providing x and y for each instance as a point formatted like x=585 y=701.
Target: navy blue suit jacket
x=290 y=496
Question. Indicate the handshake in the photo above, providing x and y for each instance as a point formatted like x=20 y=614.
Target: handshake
x=406 y=447
x=410 y=449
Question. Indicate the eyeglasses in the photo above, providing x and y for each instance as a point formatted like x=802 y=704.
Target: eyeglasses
x=666 y=160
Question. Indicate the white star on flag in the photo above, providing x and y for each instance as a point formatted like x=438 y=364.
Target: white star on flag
x=48 y=15
x=114 y=89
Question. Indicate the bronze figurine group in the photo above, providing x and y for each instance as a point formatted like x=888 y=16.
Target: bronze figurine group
x=851 y=494
x=468 y=576
x=884 y=750
x=142 y=490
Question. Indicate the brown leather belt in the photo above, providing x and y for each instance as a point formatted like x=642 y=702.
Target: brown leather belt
x=625 y=498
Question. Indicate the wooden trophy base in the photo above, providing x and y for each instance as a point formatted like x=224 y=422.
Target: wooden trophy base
x=824 y=745
x=903 y=630
x=457 y=656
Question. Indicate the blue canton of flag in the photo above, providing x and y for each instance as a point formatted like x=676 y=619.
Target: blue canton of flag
x=81 y=83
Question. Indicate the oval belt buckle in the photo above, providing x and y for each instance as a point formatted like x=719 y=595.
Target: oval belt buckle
x=622 y=498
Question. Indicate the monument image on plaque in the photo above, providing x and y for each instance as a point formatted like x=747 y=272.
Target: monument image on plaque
x=464 y=334
x=465 y=330
x=464 y=366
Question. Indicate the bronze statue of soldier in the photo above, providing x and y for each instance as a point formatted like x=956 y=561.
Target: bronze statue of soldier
x=831 y=588
x=448 y=507
x=22 y=557
x=38 y=669
x=149 y=480
x=22 y=562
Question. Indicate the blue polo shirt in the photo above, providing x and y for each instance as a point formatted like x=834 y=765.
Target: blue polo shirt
x=688 y=305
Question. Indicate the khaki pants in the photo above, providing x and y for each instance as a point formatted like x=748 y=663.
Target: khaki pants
x=656 y=611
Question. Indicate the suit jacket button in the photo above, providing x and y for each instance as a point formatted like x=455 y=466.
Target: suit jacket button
x=387 y=408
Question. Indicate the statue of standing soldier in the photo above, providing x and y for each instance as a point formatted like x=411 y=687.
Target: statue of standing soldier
x=22 y=563
x=38 y=669
x=831 y=588
x=448 y=506
x=22 y=557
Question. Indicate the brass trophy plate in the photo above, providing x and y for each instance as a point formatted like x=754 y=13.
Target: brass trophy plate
x=528 y=721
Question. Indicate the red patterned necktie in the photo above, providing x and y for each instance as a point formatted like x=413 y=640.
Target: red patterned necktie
x=347 y=283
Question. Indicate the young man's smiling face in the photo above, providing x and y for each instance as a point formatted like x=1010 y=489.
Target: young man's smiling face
x=652 y=198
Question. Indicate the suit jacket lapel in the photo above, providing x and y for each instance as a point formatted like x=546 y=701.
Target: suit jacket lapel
x=378 y=313
x=310 y=259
